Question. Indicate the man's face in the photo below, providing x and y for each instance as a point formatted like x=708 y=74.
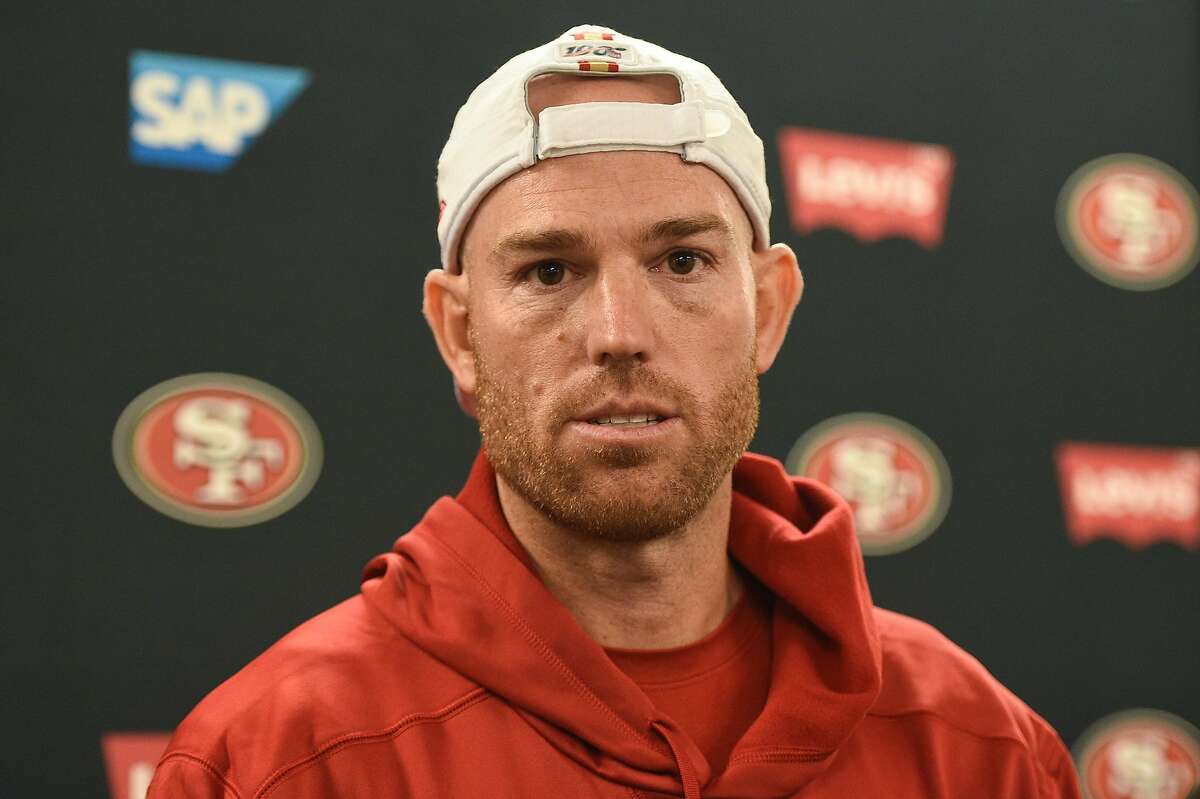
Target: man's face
x=611 y=317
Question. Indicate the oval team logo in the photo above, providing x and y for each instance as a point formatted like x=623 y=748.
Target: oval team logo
x=1138 y=754
x=893 y=476
x=217 y=450
x=1131 y=221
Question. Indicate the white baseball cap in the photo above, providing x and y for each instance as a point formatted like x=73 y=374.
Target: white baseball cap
x=495 y=136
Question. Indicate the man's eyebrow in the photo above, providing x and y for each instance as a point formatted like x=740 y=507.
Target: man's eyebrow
x=681 y=227
x=553 y=239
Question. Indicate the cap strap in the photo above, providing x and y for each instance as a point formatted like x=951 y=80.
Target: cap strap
x=594 y=127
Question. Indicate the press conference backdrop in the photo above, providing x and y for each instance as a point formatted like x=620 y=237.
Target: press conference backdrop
x=222 y=398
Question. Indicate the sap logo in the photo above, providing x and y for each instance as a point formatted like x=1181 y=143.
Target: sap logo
x=202 y=113
x=219 y=117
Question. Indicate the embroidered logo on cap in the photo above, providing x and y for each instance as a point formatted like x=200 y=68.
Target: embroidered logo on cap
x=1138 y=754
x=1135 y=495
x=129 y=760
x=597 y=52
x=1130 y=221
x=217 y=450
x=871 y=188
x=891 y=474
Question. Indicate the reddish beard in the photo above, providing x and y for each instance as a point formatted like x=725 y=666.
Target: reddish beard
x=595 y=493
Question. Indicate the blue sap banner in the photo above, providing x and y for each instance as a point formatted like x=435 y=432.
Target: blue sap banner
x=199 y=113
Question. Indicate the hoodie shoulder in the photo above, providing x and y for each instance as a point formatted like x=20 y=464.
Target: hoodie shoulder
x=344 y=673
x=800 y=500
x=926 y=674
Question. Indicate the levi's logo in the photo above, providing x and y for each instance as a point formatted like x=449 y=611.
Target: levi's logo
x=202 y=113
x=129 y=760
x=871 y=188
x=1137 y=495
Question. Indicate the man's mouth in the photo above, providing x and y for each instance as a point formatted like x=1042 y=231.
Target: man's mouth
x=630 y=420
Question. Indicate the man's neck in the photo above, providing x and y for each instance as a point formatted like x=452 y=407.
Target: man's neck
x=657 y=594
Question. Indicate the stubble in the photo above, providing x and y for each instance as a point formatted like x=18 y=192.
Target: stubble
x=597 y=492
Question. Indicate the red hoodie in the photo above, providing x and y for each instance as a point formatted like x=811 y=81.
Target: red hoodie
x=455 y=673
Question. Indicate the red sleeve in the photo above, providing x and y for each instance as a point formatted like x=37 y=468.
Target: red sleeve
x=1058 y=780
x=180 y=776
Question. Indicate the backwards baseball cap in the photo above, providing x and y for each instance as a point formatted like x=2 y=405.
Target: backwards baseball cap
x=495 y=136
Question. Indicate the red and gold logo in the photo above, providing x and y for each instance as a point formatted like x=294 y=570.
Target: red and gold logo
x=597 y=51
x=869 y=187
x=1131 y=221
x=1138 y=754
x=893 y=476
x=129 y=760
x=217 y=450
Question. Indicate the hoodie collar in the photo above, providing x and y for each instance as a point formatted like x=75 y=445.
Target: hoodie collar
x=462 y=588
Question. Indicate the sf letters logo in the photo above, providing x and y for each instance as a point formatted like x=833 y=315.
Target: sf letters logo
x=213 y=433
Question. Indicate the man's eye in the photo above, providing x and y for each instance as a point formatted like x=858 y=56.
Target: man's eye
x=683 y=262
x=550 y=273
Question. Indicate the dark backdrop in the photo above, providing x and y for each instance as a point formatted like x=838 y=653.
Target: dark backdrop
x=301 y=266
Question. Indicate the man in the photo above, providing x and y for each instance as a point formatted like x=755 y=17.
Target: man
x=619 y=603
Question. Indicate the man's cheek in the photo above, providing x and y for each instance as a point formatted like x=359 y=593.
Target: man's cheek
x=691 y=306
x=529 y=311
x=717 y=349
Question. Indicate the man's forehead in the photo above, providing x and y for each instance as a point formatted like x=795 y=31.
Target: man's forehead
x=646 y=195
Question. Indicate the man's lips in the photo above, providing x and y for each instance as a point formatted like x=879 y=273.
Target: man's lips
x=626 y=420
x=625 y=433
x=626 y=411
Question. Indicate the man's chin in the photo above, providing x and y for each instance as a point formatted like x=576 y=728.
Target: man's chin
x=619 y=458
x=621 y=509
x=628 y=494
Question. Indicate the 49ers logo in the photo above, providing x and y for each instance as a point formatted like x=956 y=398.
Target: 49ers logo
x=1138 y=754
x=217 y=450
x=893 y=476
x=1131 y=221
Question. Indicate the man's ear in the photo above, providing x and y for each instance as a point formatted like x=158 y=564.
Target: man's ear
x=445 y=309
x=778 y=288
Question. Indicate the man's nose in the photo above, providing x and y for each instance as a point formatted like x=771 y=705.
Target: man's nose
x=620 y=320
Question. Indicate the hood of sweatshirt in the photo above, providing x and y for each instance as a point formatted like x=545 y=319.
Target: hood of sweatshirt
x=469 y=597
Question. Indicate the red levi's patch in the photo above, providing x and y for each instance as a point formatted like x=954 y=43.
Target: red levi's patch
x=871 y=188
x=1136 y=495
